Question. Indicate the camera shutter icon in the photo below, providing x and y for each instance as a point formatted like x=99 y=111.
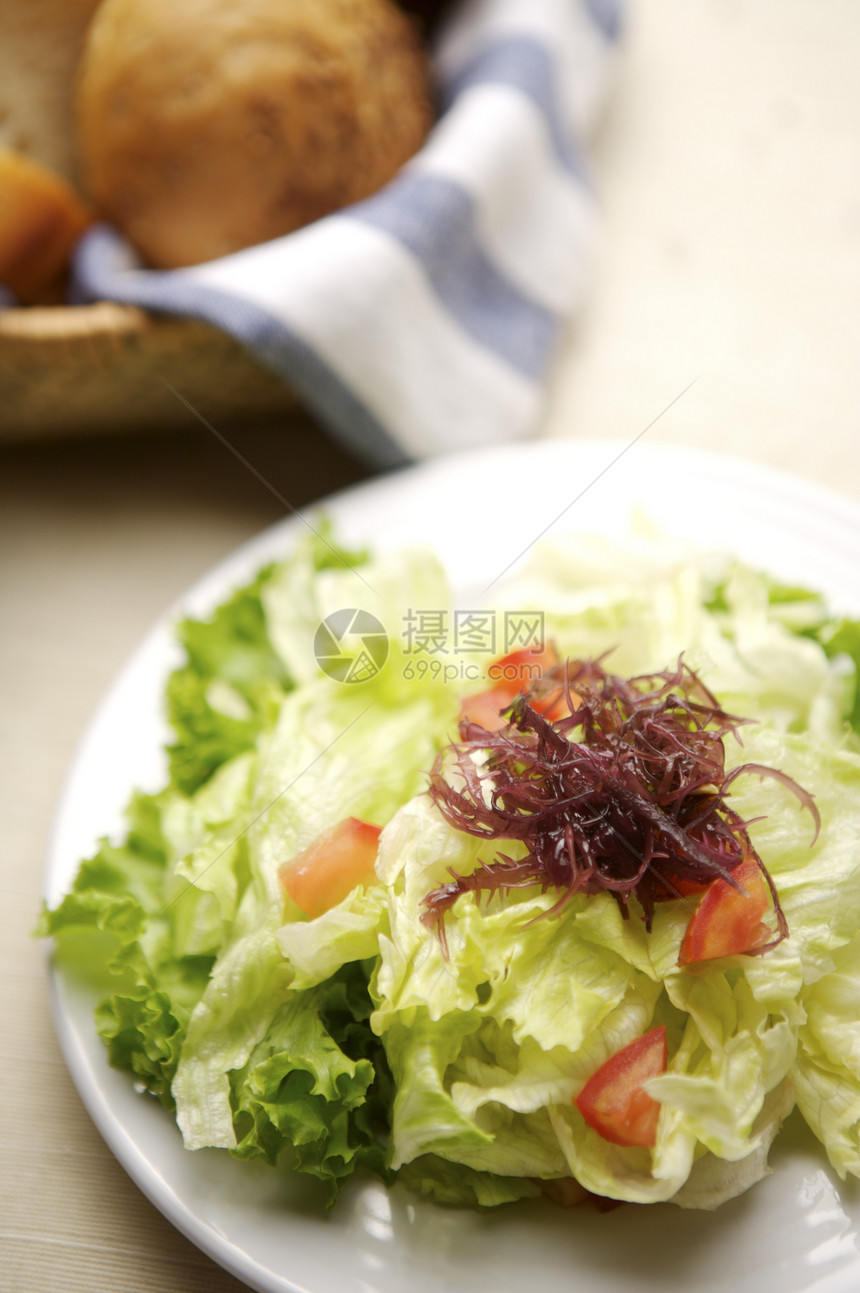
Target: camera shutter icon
x=351 y=645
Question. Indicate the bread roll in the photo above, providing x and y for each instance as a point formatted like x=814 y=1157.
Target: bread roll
x=41 y=220
x=209 y=125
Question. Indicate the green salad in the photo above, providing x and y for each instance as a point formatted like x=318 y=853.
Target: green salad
x=461 y=1020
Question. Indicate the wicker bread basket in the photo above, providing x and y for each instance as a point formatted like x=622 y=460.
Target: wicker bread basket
x=95 y=368
x=102 y=367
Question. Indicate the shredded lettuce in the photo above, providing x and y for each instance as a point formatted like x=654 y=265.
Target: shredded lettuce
x=352 y=1042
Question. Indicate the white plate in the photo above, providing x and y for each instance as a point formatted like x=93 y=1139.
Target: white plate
x=795 y=1231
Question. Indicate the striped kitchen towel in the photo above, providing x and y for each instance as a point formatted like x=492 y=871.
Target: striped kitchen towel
x=426 y=318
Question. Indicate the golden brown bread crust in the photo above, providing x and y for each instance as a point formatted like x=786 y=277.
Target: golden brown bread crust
x=41 y=220
x=209 y=125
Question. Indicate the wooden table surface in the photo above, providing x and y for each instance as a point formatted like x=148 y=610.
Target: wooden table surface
x=727 y=166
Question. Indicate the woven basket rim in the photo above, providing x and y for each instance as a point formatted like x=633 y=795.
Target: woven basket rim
x=71 y=322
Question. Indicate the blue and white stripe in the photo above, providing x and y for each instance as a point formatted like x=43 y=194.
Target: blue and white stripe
x=426 y=318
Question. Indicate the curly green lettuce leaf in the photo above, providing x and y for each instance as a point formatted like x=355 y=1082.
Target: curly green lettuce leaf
x=228 y=689
x=317 y=1082
x=112 y=929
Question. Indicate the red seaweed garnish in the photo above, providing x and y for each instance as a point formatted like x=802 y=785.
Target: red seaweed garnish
x=626 y=794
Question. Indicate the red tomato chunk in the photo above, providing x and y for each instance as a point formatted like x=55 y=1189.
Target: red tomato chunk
x=332 y=866
x=613 y=1102
x=486 y=708
x=510 y=675
x=728 y=920
x=517 y=671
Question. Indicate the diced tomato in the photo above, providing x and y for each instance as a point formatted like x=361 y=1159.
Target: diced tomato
x=613 y=1101
x=679 y=887
x=519 y=669
x=324 y=873
x=486 y=707
x=728 y=920
x=510 y=675
x=688 y=888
